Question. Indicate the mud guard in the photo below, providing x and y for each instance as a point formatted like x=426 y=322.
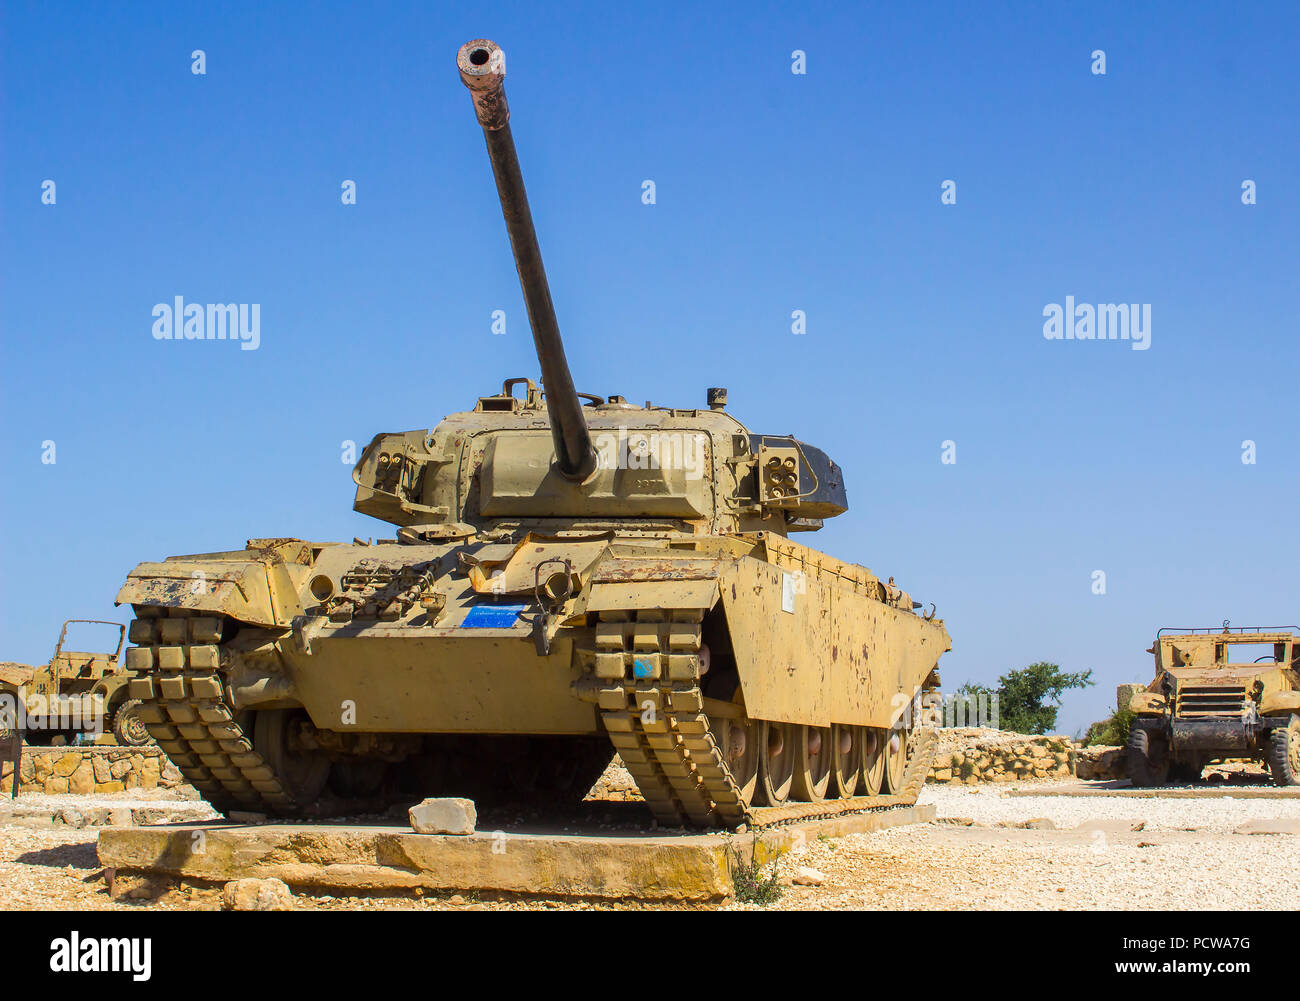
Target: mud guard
x=241 y=590
x=810 y=652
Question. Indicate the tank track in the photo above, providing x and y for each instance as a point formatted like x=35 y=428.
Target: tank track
x=658 y=726
x=665 y=739
x=183 y=706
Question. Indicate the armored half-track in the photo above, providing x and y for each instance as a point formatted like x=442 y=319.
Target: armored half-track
x=1218 y=694
x=73 y=693
x=571 y=575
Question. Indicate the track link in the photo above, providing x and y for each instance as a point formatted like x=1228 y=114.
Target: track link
x=183 y=705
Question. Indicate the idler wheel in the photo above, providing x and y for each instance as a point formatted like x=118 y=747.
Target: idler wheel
x=776 y=774
x=846 y=760
x=814 y=750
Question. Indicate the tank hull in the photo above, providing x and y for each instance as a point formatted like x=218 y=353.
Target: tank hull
x=752 y=627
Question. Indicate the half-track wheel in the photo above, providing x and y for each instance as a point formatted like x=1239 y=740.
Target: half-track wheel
x=128 y=726
x=846 y=760
x=873 y=760
x=812 y=763
x=776 y=768
x=1148 y=758
x=1284 y=753
x=895 y=754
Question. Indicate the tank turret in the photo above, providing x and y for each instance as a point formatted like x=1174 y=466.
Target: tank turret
x=483 y=70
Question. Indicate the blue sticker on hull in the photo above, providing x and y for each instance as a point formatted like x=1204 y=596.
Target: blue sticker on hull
x=492 y=616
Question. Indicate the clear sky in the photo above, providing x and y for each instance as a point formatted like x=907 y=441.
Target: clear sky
x=774 y=192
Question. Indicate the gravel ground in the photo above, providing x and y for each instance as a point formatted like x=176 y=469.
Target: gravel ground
x=989 y=805
x=1183 y=857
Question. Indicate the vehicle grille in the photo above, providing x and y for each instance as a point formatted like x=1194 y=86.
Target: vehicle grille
x=1211 y=700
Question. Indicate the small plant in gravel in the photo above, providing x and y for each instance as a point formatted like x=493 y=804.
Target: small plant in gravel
x=751 y=885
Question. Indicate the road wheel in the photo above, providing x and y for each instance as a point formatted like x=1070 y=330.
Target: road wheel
x=1148 y=758
x=301 y=771
x=776 y=772
x=742 y=741
x=1284 y=753
x=874 y=740
x=896 y=748
x=812 y=768
x=128 y=727
x=846 y=760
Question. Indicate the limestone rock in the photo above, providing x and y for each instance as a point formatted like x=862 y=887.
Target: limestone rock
x=807 y=876
x=71 y=816
x=257 y=895
x=445 y=815
x=82 y=779
x=150 y=772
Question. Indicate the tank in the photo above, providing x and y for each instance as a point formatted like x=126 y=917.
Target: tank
x=569 y=576
x=1218 y=694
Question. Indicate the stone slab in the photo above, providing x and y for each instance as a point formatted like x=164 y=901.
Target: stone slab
x=162 y=812
x=1126 y=791
x=387 y=859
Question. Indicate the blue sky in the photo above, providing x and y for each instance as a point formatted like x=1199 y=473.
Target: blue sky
x=774 y=192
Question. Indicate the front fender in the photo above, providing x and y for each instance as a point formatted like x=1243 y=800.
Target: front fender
x=252 y=591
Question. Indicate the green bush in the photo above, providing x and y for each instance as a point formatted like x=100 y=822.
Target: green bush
x=1028 y=699
x=1113 y=730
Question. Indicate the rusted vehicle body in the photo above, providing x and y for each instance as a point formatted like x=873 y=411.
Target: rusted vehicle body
x=571 y=576
x=74 y=692
x=1218 y=694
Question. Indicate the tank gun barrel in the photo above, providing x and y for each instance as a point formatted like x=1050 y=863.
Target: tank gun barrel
x=482 y=70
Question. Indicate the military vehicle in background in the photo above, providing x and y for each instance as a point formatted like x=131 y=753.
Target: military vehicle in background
x=73 y=693
x=571 y=575
x=1218 y=694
